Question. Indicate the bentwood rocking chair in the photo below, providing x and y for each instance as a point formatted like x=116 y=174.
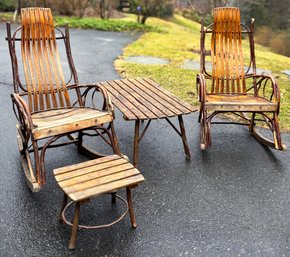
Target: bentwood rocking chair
x=231 y=86
x=43 y=105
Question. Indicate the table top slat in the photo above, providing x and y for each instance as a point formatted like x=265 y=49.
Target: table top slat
x=166 y=109
x=141 y=97
x=133 y=99
x=187 y=108
x=121 y=103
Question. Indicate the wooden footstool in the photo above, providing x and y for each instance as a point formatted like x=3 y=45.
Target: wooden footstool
x=86 y=180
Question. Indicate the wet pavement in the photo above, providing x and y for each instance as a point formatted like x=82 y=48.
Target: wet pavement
x=232 y=200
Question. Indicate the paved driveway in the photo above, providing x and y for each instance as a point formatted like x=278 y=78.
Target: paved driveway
x=232 y=200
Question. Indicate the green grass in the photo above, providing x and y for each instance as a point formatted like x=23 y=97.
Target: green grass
x=101 y=24
x=6 y=16
x=180 y=43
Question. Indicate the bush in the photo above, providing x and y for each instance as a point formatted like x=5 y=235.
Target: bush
x=7 y=5
x=195 y=16
x=277 y=41
x=101 y=24
x=152 y=8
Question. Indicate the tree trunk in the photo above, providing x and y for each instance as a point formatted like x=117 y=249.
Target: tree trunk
x=144 y=18
x=102 y=9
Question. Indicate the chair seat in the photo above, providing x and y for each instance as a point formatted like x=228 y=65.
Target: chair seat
x=245 y=103
x=56 y=122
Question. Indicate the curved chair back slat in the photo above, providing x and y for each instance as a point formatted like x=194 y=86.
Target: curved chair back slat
x=228 y=75
x=44 y=76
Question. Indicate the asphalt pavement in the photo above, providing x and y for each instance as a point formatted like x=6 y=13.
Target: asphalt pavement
x=231 y=200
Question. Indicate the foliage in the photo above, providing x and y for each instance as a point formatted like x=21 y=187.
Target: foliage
x=7 y=5
x=181 y=43
x=152 y=8
x=101 y=24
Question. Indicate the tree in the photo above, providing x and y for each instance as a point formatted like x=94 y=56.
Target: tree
x=149 y=8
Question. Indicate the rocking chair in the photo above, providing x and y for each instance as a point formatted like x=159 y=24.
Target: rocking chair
x=231 y=87
x=43 y=106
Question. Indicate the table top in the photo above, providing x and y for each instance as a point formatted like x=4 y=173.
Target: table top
x=143 y=99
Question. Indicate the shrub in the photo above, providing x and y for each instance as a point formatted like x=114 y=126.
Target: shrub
x=7 y=5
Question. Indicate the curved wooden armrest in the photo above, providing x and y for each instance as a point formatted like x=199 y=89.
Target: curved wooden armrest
x=201 y=88
x=262 y=84
x=23 y=109
x=97 y=88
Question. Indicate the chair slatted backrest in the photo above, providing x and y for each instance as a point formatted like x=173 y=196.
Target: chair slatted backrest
x=228 y=75
x=44 y=76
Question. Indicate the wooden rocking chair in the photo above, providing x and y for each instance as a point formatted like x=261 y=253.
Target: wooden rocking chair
x=43 y=106
x=231 y=87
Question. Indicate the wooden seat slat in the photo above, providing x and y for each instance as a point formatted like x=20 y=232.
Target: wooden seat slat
x=86 y=164
x=81 y=119
x=84 y=171
x=83 y=177
x=98 y=190
x=79 y=187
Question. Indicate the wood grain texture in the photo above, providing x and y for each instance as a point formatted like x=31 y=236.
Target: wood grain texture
x=141 y=98
x=96 y=177
x=56 y=122
x=228 y=75
x=239 y=103
x=44 y=77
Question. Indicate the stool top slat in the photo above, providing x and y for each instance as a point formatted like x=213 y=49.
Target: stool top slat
x=92 y=178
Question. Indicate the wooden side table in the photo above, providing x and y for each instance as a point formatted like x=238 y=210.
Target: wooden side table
x=83 y=181
x=141 y=99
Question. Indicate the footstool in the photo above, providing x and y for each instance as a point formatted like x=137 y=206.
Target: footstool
x=83 y=181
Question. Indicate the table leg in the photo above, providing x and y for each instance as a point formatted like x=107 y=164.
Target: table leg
x=184 y=140
x=136 y=142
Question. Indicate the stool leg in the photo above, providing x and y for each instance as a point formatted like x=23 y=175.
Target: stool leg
x=131 y=211
x=113 y=197
x=73 y=237
x=64 y=202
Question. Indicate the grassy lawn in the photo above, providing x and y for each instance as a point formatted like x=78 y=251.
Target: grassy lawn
x=180 y=42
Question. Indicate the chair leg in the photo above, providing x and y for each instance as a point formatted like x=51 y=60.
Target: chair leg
x=136 y=142
x=276 y=134
x=39 y=176
x=64 y=202
x=184 y=139
x=73 y=237
x=131 y=211
x=205 y=140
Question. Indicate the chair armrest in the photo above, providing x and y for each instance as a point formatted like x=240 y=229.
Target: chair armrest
x=107 y=105
x=23 y=116
x=201 y=88
x=265 y=81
